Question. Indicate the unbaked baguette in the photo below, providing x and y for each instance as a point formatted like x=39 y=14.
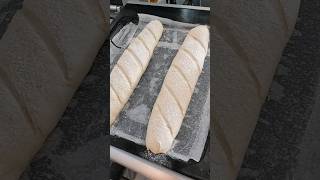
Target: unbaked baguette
x=176 y=91
x=131 y=65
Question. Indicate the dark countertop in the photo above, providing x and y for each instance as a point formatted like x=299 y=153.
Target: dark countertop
x=177 y=14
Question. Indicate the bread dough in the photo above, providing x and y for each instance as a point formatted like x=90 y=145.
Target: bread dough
x=176 y=91
x=131 y=65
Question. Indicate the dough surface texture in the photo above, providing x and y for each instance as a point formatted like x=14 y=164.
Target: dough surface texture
x=131 y=65
x=176 y=91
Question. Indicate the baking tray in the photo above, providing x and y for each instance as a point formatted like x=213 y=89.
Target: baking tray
x=198 y=17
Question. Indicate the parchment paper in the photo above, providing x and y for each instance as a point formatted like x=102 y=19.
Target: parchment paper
x=133 y=120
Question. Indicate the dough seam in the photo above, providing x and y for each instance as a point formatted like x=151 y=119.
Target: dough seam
x=192 y=57
x=124 y=73
x=115 y=92
x=165 y=120
x=183 y=76
x=197 y=40
x=154 y=36
x=175 y=98
x=145 y=46
x=135 y=57
x=135 y=61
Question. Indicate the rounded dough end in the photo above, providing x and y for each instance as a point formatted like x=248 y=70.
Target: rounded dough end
x=202 y=33
x=201 y=30
x=159 y=138
x=159 y=144
x=157 y=28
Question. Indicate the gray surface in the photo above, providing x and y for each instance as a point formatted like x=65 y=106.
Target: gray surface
x=285 y=144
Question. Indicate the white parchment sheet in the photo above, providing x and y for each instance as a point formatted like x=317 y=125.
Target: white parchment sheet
x=133 y=119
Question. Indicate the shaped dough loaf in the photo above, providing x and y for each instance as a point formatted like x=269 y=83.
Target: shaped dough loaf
x=131 y=65
x=178 y=86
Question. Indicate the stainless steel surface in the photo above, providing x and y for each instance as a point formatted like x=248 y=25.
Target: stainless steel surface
x=142 y=166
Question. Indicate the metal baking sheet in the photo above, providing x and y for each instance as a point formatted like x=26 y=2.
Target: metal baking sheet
x=133 y=119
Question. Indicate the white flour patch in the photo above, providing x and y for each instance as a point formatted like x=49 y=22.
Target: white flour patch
x=175 y=37
x=138 y=113
x=168 y=45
